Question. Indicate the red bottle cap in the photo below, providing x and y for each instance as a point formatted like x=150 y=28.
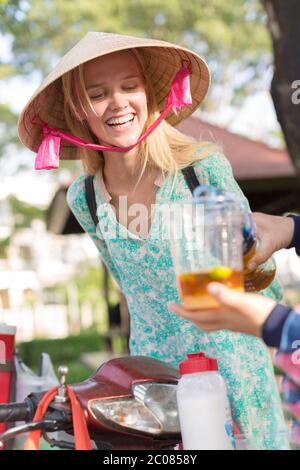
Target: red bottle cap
x=197 y=362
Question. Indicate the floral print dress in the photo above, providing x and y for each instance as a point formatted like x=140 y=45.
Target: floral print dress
x=144 y=271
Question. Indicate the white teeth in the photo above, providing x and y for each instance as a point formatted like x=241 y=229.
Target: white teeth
x=118 y=121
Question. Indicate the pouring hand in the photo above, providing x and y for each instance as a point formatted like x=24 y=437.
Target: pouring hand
x=274 y=233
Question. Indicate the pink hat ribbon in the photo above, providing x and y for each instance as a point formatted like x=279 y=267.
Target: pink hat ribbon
x=178 y=97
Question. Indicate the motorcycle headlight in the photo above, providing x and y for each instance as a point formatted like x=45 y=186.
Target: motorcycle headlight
x=153 y=409
x=161 y=400
x=127 y=413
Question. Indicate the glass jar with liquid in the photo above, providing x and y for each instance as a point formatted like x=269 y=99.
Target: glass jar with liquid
x=212 y=239
x=206 y=245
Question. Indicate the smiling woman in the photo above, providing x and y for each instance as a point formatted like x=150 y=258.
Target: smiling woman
x=116 y=90
x=114 y=86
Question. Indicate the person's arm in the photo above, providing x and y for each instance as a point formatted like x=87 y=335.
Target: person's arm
x=295 y=243
x=277 y=324
x=282 y=329
x=288 y=359
x=290 y=337
x=239 y=312
x=275 y=232
x=273 y=325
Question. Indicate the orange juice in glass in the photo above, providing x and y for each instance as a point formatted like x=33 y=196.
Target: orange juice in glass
x=206 y=246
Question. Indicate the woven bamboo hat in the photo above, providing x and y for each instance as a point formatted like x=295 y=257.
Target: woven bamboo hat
x=163 y=60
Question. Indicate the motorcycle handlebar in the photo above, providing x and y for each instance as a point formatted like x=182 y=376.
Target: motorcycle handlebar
x=12 y=412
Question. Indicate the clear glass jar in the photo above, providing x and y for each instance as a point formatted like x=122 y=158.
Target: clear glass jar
x=206 y=245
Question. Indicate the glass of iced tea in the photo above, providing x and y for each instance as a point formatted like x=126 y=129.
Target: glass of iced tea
x=206 y=245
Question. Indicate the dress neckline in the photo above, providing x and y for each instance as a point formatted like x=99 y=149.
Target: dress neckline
x=103 y=204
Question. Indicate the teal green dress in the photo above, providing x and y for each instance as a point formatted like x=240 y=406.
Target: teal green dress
x=144 y=270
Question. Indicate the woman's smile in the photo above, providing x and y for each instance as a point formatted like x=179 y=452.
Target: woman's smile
x=121 y=124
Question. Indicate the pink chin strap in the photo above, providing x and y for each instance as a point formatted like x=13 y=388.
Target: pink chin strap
x=48 y=153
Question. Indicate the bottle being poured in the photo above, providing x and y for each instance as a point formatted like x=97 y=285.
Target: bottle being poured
x=259 y=278
x=212 y=198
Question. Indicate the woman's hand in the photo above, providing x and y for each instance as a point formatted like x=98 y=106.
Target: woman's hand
x=274 y=233
x=240 y=312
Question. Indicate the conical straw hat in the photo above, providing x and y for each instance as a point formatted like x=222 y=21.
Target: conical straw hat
x=163 y=60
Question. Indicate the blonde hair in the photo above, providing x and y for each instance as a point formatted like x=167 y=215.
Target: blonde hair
x=166 y=148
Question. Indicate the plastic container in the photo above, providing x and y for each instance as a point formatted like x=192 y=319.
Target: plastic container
x=203 y=406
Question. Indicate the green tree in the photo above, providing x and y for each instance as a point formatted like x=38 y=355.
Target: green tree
x=89 y=282
x=25 y=213
x=231 y=34
x=4 y=245
x=41 y=30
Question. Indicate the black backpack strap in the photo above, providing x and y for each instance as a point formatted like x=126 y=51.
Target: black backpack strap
x=188 y=173
x=190 y=177
x=91 y=198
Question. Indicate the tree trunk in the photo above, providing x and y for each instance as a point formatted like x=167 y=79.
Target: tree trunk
x=284 y=27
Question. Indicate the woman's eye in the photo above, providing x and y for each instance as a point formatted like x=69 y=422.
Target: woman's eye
x=131 y=86
x=101 y=94
x=98 y=96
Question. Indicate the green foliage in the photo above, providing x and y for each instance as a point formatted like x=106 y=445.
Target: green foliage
x=219 y=29
x=89 y=280
x=24 y=213
x=60 y=350
x=66 y=351
x=224 y=29
x=4 y=244
x=231 y=34
x=8 y=130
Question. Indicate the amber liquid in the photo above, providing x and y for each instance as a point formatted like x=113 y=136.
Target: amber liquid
x=193 y=289
x=258 y=279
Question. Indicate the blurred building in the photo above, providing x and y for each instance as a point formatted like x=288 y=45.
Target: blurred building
x=36 y=262
x=266 y=175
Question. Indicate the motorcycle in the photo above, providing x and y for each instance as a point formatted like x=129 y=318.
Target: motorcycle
x=129 y=403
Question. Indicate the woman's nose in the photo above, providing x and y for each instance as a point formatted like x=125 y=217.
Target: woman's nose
x=118 y=101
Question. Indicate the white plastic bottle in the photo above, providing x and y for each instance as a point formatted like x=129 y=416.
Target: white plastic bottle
x=203 y=406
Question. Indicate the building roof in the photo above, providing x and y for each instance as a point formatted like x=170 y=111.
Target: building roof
x=250 y=159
